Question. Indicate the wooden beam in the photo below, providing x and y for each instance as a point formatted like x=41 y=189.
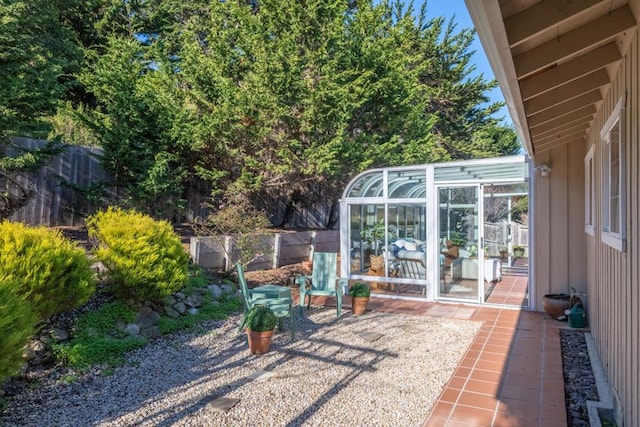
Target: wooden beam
x=583 y=123
x=550 y=146
x=568 y=91
x=550 y=127
x=563 y=108
x=587 y=111
x=570 y=70
x=560 y=136
x=541 y=16
x=597 y=31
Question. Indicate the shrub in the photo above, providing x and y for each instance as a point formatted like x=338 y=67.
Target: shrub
x=44 y=267
x=260 y=319
x=359 y=290
x=17 y=325
x=143 y=257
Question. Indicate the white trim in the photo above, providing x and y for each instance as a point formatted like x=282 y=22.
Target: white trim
x=589 y=193
x=615 y=239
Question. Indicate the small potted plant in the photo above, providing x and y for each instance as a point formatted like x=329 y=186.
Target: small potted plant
x=518 y=251
x=359 y=294
x=260 y=322
x=374 y=234
x=503 y=252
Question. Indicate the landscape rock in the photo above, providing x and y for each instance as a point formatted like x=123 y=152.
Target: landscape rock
x=59 y=335
x=193 y=311
x=147 y=317
x=171 y=312
x=168 y=300
x=180 y=307
x=215 y=291
x=132 y=329
x=194 y=300
x=228 y=288
x=151 y=332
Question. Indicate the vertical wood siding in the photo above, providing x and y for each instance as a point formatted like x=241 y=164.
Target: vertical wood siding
x=614 y=281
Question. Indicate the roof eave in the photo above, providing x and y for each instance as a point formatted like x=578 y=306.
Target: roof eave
x=489 y=25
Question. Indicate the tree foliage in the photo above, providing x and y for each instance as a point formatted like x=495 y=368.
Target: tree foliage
x=271 y=99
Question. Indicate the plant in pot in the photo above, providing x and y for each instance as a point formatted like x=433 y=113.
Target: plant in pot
x=359 y=294
x=374 y=234
x=518 y=251
x=503 y=252
x=260 y=322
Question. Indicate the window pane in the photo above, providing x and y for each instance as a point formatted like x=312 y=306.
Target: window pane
x=407 y=184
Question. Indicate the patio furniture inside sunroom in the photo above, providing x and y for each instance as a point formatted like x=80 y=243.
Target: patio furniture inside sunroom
x=435 y=231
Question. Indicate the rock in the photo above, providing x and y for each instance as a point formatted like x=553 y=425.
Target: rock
x=151 y=332
x=193 y=311
x=179 y=295
x=132 y=329
x=194 y=300
x=180 y=307
x=37 y=346
x=171 y=312
x=168 y=300
x=228 y=288
x=215 y=291
x=59 y=335
x=146 y=317
x=29 y=354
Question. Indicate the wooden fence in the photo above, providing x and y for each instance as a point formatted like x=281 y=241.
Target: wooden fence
x=57 y=201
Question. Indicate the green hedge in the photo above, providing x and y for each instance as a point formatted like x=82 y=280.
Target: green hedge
x=17 y=326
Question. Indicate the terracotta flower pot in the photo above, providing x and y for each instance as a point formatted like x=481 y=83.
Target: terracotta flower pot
x=555 y=304
x=259 y=342
x=359 y=305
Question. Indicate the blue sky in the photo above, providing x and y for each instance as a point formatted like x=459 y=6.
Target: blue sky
x=458 y=10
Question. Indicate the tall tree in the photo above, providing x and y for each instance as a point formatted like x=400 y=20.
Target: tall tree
x=36 y=55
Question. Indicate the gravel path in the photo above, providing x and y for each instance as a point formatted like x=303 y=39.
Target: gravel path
x=330 y=376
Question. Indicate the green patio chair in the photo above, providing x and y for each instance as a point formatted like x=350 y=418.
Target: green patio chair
x=323 y=281
x=282 y=307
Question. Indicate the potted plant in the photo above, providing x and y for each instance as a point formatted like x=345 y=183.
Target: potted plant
x=374 y=234
x=359 y=294
x=260 y=322
x=503 y=252
x=518 y=251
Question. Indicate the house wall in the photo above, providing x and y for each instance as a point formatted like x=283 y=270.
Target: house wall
x=559 y=257
x=613 y=283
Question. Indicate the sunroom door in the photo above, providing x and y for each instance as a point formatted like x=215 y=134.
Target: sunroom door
x=460 y=236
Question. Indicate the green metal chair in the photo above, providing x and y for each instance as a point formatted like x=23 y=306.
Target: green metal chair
x=282 y=307
x=323 y=281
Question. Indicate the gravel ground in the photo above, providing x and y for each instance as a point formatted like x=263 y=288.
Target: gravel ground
x=579 y=381
x=330 y=376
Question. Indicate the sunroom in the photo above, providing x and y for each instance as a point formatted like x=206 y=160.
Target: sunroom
x=446 y=231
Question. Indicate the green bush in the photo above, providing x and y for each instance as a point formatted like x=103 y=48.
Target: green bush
x=359 y=290
x=17 y=325
x=49 y=271
x=143 y=257
x=260 y=319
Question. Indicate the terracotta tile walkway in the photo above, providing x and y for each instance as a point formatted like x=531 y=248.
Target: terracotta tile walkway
x=511 y=376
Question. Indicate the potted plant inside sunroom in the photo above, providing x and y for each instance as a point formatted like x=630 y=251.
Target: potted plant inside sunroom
x=359 y=294
x=518 y=251
x=260 y=323
x=374 y=234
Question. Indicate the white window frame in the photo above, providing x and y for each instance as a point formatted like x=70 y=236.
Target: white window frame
x=589 y=193
x=614 y=238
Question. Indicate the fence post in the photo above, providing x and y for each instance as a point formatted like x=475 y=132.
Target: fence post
x=277 y=241
x=314 y=235
x=228 y=243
